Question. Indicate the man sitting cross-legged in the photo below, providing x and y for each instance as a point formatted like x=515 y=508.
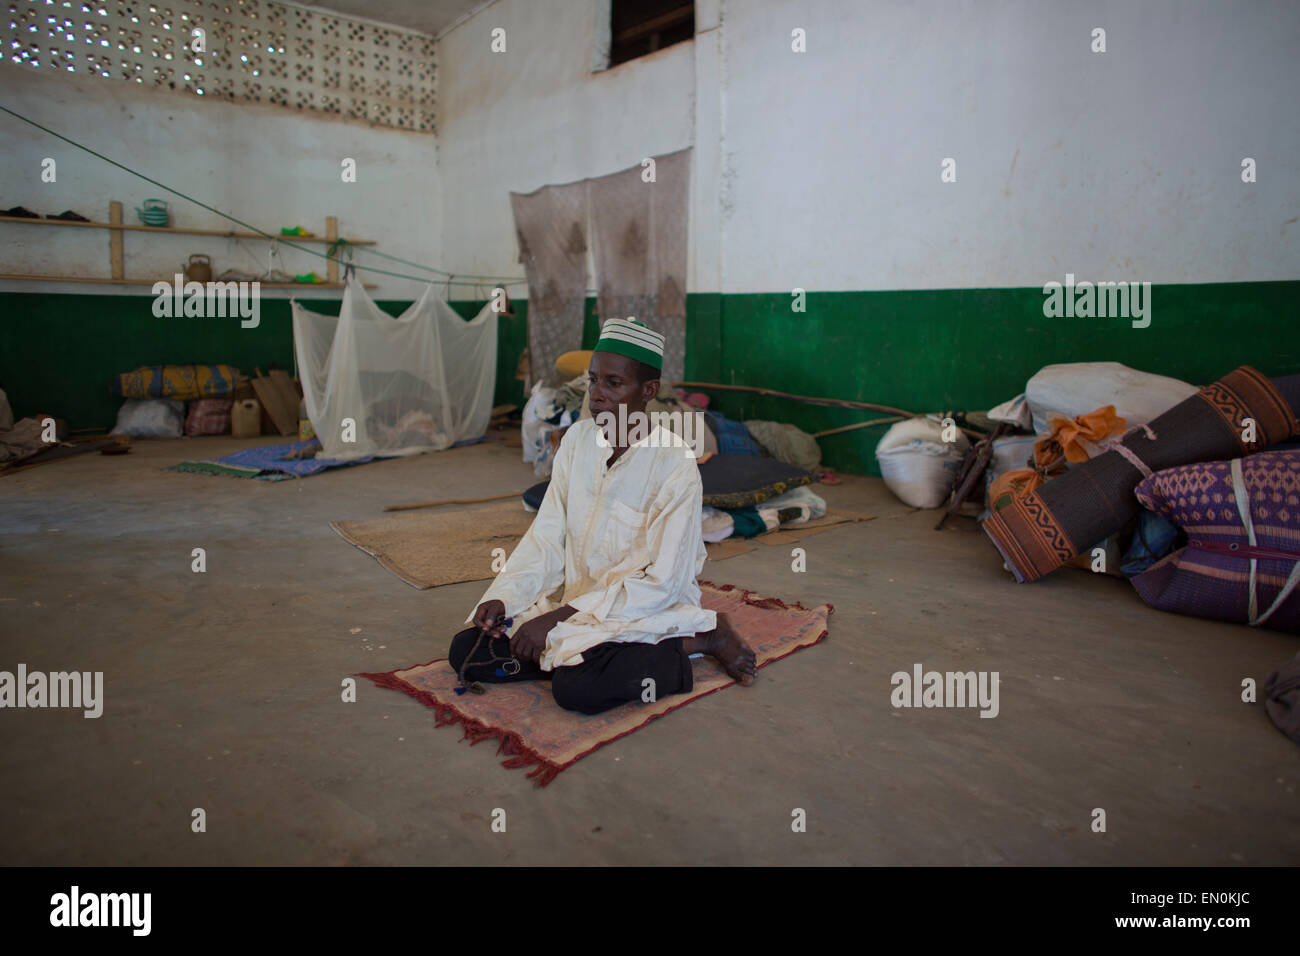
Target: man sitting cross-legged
x=619 y=532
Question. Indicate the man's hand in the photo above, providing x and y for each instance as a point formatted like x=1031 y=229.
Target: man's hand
x=491 y=617
x=529 y=642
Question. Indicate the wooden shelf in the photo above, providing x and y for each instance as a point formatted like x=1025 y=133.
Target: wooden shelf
x=170 y=279
x=117 y=253
x=174 y=230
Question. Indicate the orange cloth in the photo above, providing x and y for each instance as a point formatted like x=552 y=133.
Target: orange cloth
x=1092 y=427
x=1018 y=482
x=1066 y=441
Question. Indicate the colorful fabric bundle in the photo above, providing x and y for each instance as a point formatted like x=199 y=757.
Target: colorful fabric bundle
x=746 y=522
x=1243 y=412
x=733 y=437
x=208 y=416
x=1242 y=561
x=1153 y=539
x=182 y=382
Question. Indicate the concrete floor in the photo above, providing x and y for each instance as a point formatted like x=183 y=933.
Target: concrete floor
x=223 y=692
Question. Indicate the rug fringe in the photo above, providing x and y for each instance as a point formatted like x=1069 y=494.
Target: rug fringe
x=545 y=773
x=518 y=754
x=769 y=604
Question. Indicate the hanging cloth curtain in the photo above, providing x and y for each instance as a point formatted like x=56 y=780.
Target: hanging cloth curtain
x=639 y=237
x=551 y=224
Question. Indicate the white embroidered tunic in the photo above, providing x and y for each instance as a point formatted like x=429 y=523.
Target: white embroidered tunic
x=622 y=545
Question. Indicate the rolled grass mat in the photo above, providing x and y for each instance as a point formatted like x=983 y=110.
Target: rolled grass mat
x=1039 y=533
x=536 y=733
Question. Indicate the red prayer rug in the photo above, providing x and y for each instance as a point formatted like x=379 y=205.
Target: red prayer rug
x=533 y=731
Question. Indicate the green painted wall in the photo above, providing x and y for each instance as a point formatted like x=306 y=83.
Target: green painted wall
x=964 y=349
x=58 y=353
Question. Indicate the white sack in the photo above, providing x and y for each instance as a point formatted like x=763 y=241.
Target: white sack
x=1077 y=388
x=917 y=464
x=1010 y=452
x=1016 y=411
x=151 y=418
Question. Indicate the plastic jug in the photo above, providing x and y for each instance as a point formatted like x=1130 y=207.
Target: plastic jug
x=246 y=418
x=199 y=268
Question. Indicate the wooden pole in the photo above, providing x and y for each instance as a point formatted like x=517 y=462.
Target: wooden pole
x=826 y=402
x=849 y=428
x=831 y=402
x=332 y=233
x=116 y=259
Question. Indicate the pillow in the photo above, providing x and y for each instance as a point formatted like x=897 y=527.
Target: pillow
x=1211 y=576
x=737 y=481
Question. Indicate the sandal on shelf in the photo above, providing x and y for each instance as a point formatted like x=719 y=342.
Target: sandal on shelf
x=69 y=216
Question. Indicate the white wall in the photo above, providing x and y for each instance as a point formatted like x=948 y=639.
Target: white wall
x=1117 y=165
x=821 y=170
x=265 y=165
x=817 y=170
x=537 y=114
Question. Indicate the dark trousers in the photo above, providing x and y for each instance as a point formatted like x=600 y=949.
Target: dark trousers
x=610 y=674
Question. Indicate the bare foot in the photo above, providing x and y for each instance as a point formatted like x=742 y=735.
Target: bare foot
x=730 y=650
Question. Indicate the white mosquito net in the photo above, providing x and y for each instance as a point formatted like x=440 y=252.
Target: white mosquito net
x=378 y=385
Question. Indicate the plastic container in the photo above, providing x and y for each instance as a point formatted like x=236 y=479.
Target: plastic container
x=246 y=418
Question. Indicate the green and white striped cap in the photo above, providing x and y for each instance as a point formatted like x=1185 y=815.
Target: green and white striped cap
x=629 y=337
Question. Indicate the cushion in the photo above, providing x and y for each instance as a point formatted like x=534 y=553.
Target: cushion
x=730 y=481
x=1211 y=576
x=736 y=481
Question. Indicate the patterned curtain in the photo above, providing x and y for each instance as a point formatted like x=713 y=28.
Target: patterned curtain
x=639 y=235
x=551 y=224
